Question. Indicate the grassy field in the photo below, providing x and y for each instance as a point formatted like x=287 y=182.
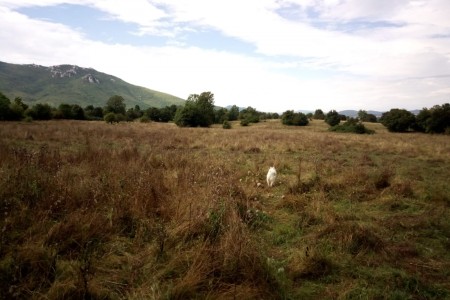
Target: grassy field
x=152 y=211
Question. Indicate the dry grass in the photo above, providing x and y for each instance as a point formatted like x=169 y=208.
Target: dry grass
x=97 y=211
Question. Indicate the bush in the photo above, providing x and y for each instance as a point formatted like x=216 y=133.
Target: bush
x=434 y=120
x=289 y=117
x=40 y=112
x=145 y=119
x=398 y=120
x=319 y=115
x=352 y=126
x=250 y=114
x=332 y=118
x=110 y=118
x=226 y=125
x=245 y=122
x=197 y=111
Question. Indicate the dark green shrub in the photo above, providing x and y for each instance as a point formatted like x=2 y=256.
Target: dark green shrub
x=110 y=118
x=332 y=118
x=226 y=125
x=319 y=115
x=197 y=111
x=352 y=126
x=245 y=122
x=290 y=117
x=145 y=119
x=398 y=120
x=434 y=120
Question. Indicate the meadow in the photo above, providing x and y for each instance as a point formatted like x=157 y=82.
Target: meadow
x=152 y=211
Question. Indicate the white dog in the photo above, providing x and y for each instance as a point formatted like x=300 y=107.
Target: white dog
x=271 y=176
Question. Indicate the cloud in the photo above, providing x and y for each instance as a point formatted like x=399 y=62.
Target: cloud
x=299 y=54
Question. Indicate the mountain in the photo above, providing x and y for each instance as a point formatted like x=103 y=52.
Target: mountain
x=74 y=85
x=354 y=113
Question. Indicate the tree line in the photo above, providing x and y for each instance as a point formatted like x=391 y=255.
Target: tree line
x=428 y=120
x=199 y=111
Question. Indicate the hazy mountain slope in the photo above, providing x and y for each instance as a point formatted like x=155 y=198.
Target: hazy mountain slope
x=74 y=85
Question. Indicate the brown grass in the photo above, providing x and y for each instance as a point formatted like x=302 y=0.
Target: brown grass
x=91 y=210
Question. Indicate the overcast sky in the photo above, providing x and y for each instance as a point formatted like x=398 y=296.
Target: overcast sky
x=273 y=55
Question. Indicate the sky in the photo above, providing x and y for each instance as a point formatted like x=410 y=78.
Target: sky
x=272 y=55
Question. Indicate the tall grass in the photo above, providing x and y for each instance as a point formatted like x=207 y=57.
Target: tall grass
x=147 y=210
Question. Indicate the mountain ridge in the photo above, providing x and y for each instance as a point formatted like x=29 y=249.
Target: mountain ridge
x=72 y=84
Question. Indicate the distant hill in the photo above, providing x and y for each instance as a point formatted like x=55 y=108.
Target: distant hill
x=354 y=113
x=74 y=85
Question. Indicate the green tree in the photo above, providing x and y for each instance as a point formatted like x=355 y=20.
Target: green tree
x=290 y=117
x=18 y=101
x=153 y=113
x=220 y=115
x=115 y=104
x=352 y=126
x=250 y=114
x=40 y=111
x=205 y=108
x=65 y=111
x=5 y=111
x=110 y=118
x=132 y=114
x=364 y=116
x=197 y=111
x=233 y=113
x=332 y=118
x=98 y=112
x=17 y=109
x=226 y=125
x=77 y=112
x=434 y=120
x=186 y=116
x=319 y=115
x=167 y=113
x=398 y=120
x=93 y=113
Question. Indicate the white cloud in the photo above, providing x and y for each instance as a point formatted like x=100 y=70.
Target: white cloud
x=346 y=54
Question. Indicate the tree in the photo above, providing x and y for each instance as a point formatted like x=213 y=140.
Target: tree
x=186 y=115
x=65 y=111
x=226 y=125
x=40 y=111
x=93 y=113
x=319 y=115
x=205 y=107
x=77 y=112
x=5 y=111
x=332 y=118
x=364 y=116
x=352 y=126
x=153 y=113
x=168 y=113
x=132 y=114
x=116 y=105
x=290 y=117
x=17 y=109
x=197 y=111
x=434 y=120
x=110 y=118
x=249 y=114
x=398 y=120
x=233 y=113
x=220 y=115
